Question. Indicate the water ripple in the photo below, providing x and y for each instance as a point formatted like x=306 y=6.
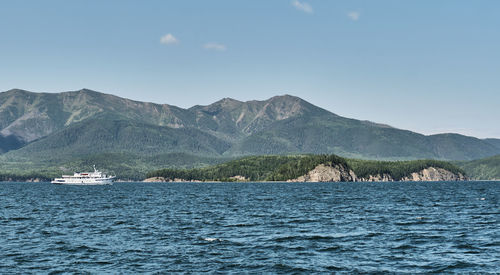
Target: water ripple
x=250 y=228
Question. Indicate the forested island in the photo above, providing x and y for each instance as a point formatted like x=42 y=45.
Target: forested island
x=314 y=168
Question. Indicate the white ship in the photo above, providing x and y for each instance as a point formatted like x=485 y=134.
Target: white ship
x=85 y=178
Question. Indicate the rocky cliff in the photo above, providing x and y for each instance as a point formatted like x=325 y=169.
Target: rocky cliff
x=327 y=173
x=340 y=173
x=435 y=174
x=162 y=179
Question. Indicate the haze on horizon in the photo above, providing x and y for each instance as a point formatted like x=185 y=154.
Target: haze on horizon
x=426 y=66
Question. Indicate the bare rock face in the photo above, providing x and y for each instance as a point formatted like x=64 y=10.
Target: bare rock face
x=327 y=173
x=155 y=179
x=339 y=173
x=239 y=178
x=378 y=177
x=435 y=174
x=162 y=179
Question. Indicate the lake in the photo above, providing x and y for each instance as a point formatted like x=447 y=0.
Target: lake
x=250 y=227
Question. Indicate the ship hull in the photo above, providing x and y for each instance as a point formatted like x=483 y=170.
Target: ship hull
x=83 y=182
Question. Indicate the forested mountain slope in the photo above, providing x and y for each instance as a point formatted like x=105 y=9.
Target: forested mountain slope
x=483 y=169
x=58 y=125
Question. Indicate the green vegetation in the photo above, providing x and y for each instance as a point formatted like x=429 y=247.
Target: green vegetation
x=26 y=176
x=125 y=165
x=493 y=141
x=56 y=126
x=482 y=169
x=282 y=168
x=9 y=143
x=317 y=133
x=255 y=168
x=46 y=134
x=189 y=167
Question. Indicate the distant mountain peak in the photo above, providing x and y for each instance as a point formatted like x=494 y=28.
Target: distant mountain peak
x=286 y=97
x=86 y=90
x=83 y=91
x=280 y=124
x=15 y=91
x=227 y=101
x=287 y=100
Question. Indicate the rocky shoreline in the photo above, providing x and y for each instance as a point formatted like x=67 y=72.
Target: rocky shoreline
x=337 y=173
x=340 y=173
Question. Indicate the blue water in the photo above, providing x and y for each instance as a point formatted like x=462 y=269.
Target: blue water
x=250 y=227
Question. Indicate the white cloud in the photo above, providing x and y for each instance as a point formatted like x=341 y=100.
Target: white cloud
x=169 y=39
x=215 y=47
x=354 y=15
x=302 y=6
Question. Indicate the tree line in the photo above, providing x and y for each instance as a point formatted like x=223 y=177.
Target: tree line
x=282 y=168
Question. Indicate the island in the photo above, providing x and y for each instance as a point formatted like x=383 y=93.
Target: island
x=313 y=168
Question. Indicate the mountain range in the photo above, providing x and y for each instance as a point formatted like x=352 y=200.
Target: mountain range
x=59 y=126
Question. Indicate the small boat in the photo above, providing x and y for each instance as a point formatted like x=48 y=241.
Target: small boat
x=85 y=178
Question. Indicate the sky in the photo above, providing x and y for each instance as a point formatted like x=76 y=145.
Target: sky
x=427 y=66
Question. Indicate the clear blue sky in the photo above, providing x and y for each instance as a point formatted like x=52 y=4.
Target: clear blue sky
x=427 y=66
